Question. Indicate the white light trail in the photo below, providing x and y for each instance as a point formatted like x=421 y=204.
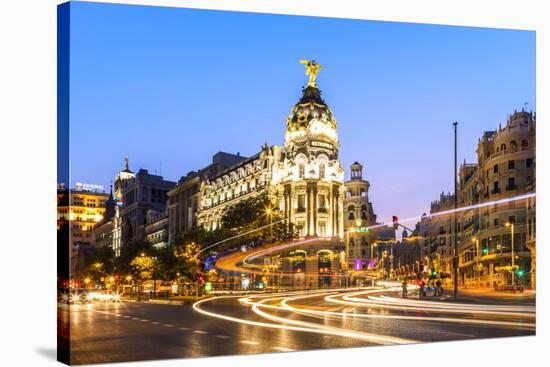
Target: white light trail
x=306 y=311
x=295 y=324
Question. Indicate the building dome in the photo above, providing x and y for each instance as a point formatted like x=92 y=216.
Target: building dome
x=310 y=106
x=311 y=116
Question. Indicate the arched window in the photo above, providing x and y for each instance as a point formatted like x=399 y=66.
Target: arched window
x=364 y=212
x=514 y=145
x=503 y=147
x=351 y=212
x=524 y=144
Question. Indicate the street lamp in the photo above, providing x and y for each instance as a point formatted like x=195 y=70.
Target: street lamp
x=373 y=245
x=269 y=212
x=476 y=241
x=511 y=225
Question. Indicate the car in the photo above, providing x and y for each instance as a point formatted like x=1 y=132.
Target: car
x=73 y=296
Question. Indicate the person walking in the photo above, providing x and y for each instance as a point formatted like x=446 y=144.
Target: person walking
x=404 y=285
x=421 y=293
x=438 y=287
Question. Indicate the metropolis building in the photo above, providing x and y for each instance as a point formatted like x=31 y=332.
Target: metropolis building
x=303 y=178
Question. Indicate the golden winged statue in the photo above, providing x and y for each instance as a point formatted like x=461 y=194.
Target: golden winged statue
x=312 y=69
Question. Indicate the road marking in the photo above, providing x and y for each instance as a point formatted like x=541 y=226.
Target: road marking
x=169 y=325
x=135 y=318
x=200 y=332
x=222 y=336
x=249 y=342
x=126 y=316
x=184 y=328
x=283 y=349
x=144 y=320
x=118 y=315
x=155 y=322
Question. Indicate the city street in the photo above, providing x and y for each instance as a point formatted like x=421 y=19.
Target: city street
x=267 y=323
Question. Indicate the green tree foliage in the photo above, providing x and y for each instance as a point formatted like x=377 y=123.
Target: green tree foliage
x=144 y=267
x=101 y=263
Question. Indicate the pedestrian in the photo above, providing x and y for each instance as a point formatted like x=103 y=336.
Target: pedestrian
x=404 y=285
x=421 y=292
x=438 y=287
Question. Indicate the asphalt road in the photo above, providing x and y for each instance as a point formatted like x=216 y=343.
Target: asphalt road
x=268 y=323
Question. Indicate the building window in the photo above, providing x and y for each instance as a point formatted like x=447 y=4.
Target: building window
x=301 y=170
x=322 y=202
x=524 y=144
x=364 y=212
x=511 y=184
x=529 y=162
x=495 y=222
x=301 y=202
x=363 y=193
x=511 y=164
x=495 y=168
x=503 y=147
x=351 y=212
x=321 y=171
x=496 y=188
x=513 y=145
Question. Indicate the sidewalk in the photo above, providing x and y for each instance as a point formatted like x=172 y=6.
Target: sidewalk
x=177 y=300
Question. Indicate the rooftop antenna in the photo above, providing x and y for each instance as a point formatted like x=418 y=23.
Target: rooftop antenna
x=160 y=168
x=525 y=105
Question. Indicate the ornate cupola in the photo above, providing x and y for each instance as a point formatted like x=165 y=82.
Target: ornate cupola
x=356 y=171
x=311 y=124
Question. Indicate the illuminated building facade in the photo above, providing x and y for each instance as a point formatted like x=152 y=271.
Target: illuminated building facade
x=121 y=178
x=141 y=193
x=156 y=228
x=505 y=169
x=102 y=235
x=304 y=178
x=81 y=210
x=184 y=199
x=358 y=216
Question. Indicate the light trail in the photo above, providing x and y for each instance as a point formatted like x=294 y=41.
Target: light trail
x=306 y=311
x=238 y=235
x=262 y=252
x=463 y=208
x=374 y=338
x=384 y=224
x=504 y=308
x=351 y=299
x=261 y=304
x=295 y=325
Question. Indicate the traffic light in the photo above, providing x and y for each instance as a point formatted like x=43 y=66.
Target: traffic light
x=520 y=272
x=485 y=250
x=395 y=221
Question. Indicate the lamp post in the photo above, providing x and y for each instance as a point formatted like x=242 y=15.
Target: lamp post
x=511 y=225
x=476 y=241
x=269 y=213
x=455 y=239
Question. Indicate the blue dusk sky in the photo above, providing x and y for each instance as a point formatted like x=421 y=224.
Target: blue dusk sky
x=170 y=87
